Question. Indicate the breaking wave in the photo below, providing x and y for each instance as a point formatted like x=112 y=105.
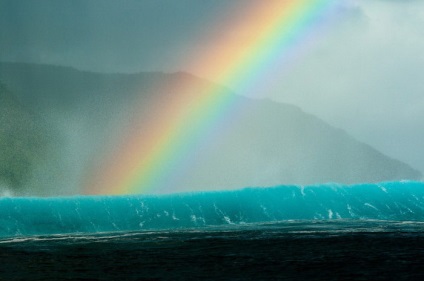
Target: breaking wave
x=401 y=201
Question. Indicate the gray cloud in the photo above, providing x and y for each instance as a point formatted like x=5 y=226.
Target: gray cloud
x=102 y=35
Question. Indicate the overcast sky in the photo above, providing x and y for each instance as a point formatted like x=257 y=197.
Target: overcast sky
x=364 y=75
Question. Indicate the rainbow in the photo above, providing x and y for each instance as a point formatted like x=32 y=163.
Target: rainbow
x=161 y=142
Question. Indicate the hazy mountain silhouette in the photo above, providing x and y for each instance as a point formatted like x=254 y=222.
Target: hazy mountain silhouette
x=75 y=116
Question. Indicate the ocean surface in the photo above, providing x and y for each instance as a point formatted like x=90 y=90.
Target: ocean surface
x=326 y=232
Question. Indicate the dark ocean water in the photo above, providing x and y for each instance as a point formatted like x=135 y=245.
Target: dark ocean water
x=342 y=249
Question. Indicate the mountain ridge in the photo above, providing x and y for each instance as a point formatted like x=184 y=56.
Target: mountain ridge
x=268 y=144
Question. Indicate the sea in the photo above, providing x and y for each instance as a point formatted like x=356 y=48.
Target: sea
x=322 y=232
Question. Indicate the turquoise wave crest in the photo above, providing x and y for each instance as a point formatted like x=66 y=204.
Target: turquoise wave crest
x=92 y=214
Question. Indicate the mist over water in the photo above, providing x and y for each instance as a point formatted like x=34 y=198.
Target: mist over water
x=70 y=120
x=267 y=144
